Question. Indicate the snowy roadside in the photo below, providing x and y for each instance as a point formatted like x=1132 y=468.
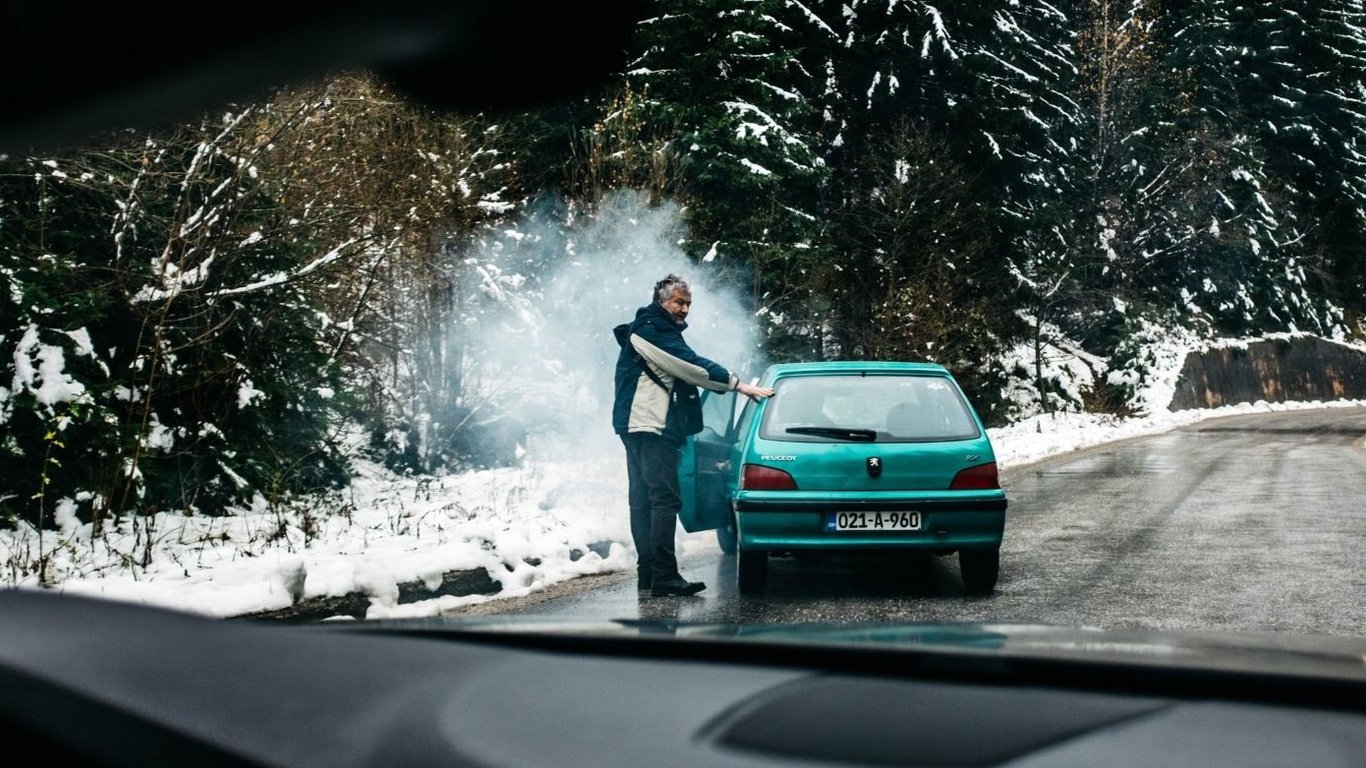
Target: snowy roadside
x=403 y=546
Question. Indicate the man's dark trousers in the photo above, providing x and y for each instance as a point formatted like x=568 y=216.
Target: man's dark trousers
x=654 y=500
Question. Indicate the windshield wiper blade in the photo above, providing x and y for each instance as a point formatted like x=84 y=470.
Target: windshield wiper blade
x=839 y=433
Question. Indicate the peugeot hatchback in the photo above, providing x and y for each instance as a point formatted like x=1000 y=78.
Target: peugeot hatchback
x=847 y=457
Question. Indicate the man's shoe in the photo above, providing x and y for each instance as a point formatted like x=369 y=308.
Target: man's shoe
x=680 y=588
x=644 y=582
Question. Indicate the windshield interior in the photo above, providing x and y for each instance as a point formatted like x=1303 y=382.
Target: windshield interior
x=343 y=343
x=777 y=383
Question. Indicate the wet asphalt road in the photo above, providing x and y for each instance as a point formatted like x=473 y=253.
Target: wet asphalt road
x=1247 y=523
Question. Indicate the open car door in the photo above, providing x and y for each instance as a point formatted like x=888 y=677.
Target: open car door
x=704 y=469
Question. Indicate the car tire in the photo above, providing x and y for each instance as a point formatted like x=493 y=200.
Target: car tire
x=979 y=569
x=752 y=571
x=725 y=537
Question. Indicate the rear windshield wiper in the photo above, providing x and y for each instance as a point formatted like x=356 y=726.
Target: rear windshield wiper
x=838 y=433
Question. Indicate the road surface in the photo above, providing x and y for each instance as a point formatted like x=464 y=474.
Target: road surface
x=1246 y=523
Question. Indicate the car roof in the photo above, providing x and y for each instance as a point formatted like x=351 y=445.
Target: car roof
x=779 y=370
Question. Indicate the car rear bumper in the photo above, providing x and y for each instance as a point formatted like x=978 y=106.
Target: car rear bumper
x=944 y=525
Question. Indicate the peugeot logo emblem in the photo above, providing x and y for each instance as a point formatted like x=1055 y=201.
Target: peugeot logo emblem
x=874 y=466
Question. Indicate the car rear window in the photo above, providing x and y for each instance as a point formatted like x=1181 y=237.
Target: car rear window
x=867 y=408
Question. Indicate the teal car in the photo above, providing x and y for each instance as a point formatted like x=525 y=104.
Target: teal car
x=847 y=457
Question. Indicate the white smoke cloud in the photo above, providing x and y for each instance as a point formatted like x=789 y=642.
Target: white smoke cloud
x=551 y=294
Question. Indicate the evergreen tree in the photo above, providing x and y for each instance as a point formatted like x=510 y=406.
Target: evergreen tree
x=727 y=79
x=1238 y=269
x=912 y=217
x=179 y=368
x=1341 y=109
x=1164 y=183
x=1304 y=92
x=1025 y=112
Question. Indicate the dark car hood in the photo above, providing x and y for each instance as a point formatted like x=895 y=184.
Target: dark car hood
x=1258 y=654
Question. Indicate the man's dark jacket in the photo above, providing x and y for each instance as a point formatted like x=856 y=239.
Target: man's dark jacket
x=654 y=339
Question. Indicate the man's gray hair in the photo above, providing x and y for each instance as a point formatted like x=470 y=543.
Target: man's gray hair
x=668 y=286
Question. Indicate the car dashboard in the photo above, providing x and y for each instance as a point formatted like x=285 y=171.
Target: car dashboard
x=102 y=683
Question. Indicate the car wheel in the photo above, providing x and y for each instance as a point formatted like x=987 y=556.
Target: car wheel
x=979 y=569
x=725 y=536
x=753 y=572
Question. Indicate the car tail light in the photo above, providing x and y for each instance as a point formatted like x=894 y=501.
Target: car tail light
x=757 y=477
x=973 y=478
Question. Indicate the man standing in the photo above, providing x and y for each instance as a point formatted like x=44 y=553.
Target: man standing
x=640 y=413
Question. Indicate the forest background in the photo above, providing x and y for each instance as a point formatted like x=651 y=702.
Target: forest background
x=227 y=314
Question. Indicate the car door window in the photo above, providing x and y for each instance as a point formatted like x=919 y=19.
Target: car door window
x=718 y=410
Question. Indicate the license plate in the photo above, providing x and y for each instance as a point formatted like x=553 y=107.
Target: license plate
x=873 y=521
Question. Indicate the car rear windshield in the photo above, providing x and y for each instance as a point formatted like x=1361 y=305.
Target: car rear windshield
x=867 y=408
